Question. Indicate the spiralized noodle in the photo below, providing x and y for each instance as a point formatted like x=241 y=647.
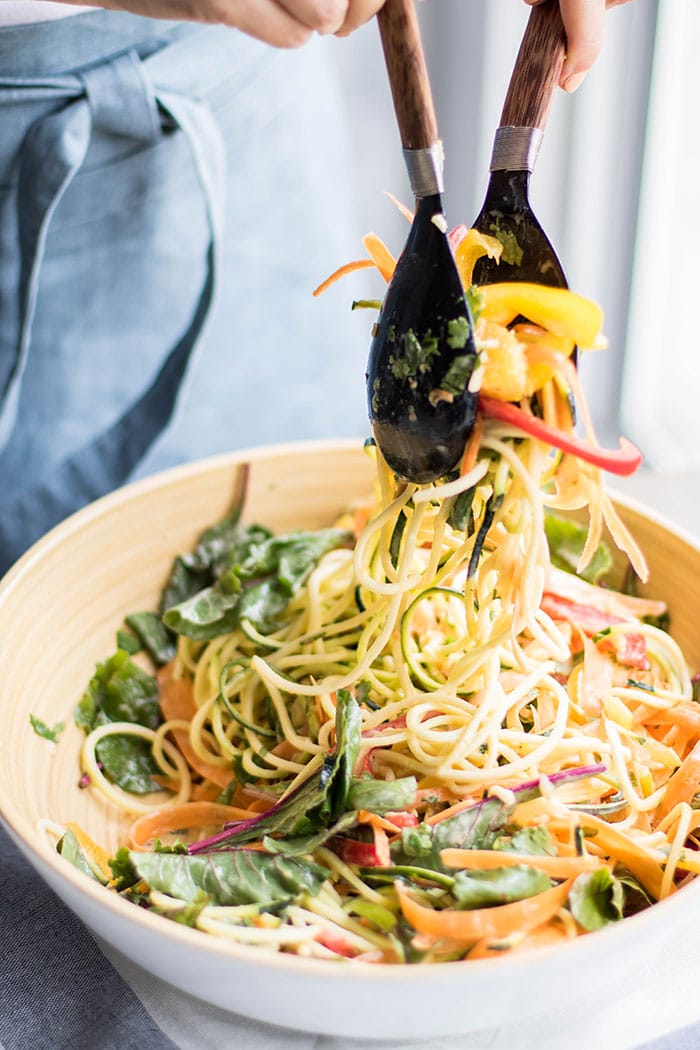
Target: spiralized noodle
x=500 y=705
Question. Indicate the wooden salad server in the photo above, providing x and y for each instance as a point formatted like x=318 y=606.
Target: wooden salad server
x=423 y=353
x=506 y=213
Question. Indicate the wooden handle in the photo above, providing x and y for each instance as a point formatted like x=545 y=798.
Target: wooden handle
x=537 y=69
x=408 y=74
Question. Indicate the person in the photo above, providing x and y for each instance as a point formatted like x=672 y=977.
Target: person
x=126 y=134
x=584 y=23
x=173 y=176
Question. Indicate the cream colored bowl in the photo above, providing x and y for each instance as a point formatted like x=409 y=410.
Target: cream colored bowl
x=60 y=607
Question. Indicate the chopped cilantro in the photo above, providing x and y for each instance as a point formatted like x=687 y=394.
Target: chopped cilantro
x=512 y=252
x=457 y=333
x=458 y=374
x=47 y=732
x=417 y=355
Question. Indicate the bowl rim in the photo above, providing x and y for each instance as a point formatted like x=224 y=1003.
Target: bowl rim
x=40 y=854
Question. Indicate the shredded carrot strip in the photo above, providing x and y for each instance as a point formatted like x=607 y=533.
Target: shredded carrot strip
x=494 y=923
x=187 y=816
x=451 y=811
x=177 y=702
x=90 y=848
x=205 y=792
x=379 y=828
x=342 y=271
x=406 y=212
x=549 y=933
x=468 y=461
x=614 y=843
x=557 y=867
x=683 y=784
x=380 y=255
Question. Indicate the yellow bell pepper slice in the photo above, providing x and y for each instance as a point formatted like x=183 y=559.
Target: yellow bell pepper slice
x=560 y=311
x=472 y=246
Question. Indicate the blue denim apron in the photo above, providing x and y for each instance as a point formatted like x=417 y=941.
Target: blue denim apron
x=123 y=143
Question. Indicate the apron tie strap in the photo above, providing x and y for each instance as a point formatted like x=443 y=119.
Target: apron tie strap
x=117 y=97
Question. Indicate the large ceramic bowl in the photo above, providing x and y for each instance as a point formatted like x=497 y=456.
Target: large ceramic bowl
x=59 y=609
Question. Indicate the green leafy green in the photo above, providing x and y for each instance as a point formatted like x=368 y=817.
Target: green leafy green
x=416 y=356
x=41 y=729
x=153 y=635
x=205 y=615
x=512 y=252
x=193 y=572
x=475 y=301
x=69 y=848
x=457 y=376
x=119 y=691
x=316 y=805
x=128 y=762
x=566 y=539
x=348 y=732
x=476 y=827
x=382 y=796
x=237 y=876
x=536 y=842
x=458 y=332
x=483 y=889
x=596 y=899
x=258 y=576
x=128 y=642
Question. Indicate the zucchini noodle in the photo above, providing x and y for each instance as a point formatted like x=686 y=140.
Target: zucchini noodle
x=392 y=706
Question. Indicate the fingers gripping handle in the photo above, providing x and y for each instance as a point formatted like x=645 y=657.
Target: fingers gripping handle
x=537 y=69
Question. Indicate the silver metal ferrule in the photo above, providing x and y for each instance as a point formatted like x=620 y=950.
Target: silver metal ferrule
x=424 y=168
x=515 y=149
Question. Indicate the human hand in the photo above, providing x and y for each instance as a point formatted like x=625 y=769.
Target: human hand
x=583 y=21
x=282 y=23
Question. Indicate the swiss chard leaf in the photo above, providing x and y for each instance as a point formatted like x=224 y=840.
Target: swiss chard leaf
x=254 y=581
x=262 y=603
x=348 y=736
x=382 y=796
x=596 y=899
x=205 y=615
x=233 y=877
x=119 y=691
x=566 y=539
x=483 y=889
x=314 y=805
x=535 y=841
x=193 y=572
x=477 y=827
x=128 y=762
x=154 y=635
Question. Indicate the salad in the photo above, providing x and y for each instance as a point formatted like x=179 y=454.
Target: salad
x=443 y=728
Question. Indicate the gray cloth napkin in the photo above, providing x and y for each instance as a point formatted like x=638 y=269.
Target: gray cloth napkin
x=57 y=989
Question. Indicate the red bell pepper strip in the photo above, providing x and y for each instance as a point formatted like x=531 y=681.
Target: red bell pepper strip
x=628 y=647
x=622 y=461
x=587 y=617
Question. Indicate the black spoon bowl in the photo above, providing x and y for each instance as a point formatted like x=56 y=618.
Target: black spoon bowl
x=422 y=354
